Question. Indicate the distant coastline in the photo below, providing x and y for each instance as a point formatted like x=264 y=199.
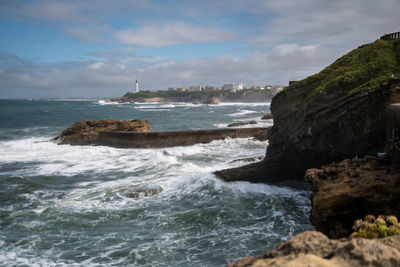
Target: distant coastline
x=247 y=95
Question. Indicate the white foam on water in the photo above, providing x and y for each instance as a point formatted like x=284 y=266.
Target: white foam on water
x=244 y=104
x=242 y=113
x=104 y=102
x=167 y=106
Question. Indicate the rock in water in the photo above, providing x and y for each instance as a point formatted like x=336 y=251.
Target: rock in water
x=315 y=249
x=346 y=191
x=242 y=123
x=212 y=100
x=267 y=117
x=146 y=192
x=87 y=132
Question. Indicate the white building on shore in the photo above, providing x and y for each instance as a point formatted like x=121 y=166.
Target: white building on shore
x=195 y=88
x=233 y=87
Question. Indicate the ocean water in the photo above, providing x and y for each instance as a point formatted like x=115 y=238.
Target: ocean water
x=63 y=205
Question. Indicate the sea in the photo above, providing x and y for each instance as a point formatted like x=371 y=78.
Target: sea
x=63 y=205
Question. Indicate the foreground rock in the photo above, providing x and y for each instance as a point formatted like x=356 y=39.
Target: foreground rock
x=87 y=132
x=346 y=191
x=315 y=249
x=335 y=114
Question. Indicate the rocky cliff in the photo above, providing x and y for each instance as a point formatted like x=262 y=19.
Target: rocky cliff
x=349 y=190
x=336 y=114
x=315 y=249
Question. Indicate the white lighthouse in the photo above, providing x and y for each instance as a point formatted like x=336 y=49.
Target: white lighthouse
x=137 y=87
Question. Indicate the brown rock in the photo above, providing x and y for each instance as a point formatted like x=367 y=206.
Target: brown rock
x=340 y=197
x=315 y=249
x=212 y=101
x=87 y=132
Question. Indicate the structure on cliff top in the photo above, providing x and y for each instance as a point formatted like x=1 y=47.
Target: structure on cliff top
x=391 y=36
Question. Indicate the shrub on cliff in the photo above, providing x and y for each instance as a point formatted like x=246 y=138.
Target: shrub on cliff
x=371 y=227
x=367 y=67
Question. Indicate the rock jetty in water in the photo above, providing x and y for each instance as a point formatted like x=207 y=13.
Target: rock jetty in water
x=136 y=134
x=312 y=248
x=241 y=123
x=87 y=132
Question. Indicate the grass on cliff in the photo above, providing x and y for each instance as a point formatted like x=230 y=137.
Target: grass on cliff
x=364 y=68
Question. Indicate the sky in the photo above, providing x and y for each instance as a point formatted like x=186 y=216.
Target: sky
x=87 y=48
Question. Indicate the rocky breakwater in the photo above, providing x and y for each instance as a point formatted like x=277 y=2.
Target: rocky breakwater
x=87 y=132
x=315 y=249
x=336 y=114
x=136 y=134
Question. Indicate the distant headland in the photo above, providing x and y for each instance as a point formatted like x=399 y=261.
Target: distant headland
x=233 y=92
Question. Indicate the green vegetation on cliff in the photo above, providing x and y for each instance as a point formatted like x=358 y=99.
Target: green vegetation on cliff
x=367 y=67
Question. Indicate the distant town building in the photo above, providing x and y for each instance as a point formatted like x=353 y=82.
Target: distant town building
x=276 y=89
x=209 y=88
x=181 y=89
x=195 y=88
x=233 y=86
x=171 y=88
x=257 y=87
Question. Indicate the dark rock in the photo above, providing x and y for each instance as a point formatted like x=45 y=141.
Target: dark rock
x=125 y=139
x=242 y=123
x=87 y=132
x=145 y=192
x=312 y=248
x=267 y=117
x=247 y=159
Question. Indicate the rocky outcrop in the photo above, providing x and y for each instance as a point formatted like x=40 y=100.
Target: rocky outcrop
x=315 y=249
x=267 y=117
x=212 y=101
x=336 y=114
x=241 y=123
x=346 y=191
x=145 y=192
x=87 y=132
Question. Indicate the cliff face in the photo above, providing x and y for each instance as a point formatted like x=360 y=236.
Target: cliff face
x=336 y=114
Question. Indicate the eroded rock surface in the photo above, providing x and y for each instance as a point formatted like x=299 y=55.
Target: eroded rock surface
x=87 y=132
x=312 y=248
x=346 y=191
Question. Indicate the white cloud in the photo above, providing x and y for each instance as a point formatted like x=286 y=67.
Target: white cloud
x=96 y=65
x=114 y=77
x=171 y=33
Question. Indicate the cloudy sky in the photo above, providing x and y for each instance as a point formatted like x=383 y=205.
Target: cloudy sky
x=83 y=48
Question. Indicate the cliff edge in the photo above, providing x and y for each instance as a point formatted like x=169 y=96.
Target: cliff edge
x=336 y=114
